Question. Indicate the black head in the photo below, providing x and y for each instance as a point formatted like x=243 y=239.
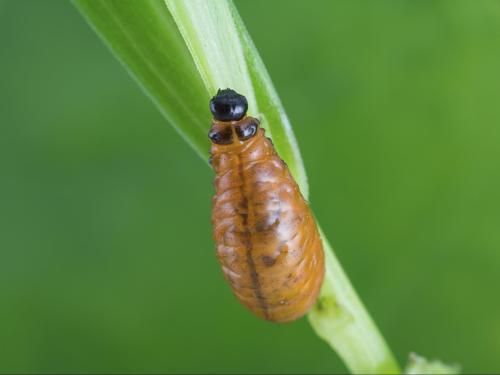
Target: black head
x=228 y=105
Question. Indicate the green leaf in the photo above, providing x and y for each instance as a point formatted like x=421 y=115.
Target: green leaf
x=144 y=37
x=180 y=71
x=226 y=57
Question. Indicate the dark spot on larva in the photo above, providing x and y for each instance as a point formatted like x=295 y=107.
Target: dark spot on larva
x=268 y=261
x=289 y=276
x=261 y=227
x=247 y=130
x=269 y=223
x=222 y=136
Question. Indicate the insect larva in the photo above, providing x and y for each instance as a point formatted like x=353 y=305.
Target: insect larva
x=267 y=241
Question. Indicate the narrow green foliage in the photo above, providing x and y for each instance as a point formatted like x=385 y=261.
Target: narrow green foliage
x=226 y=57
x=144 y=37
x=180 y=72
x=340 y=319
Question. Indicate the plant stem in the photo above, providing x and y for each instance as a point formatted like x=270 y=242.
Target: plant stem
x=340 y=318
x=225 y=57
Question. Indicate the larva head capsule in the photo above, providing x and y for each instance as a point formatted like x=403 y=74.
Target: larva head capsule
x=228 y=105
x=231 y=127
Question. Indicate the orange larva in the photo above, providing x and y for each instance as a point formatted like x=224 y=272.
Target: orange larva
x=267 y=241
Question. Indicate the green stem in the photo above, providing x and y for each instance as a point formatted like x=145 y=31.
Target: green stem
x=340 y=318
x=145 y=38
x=226 y=57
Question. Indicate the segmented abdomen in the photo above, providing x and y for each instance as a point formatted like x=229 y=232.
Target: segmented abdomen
x=267 y=241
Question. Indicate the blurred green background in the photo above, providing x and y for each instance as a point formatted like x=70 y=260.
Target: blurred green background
x=106 y=257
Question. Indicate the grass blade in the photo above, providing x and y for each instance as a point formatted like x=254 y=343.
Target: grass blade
x=180 y=73
x=146 y=40
x=224 y=53
x=226 y=57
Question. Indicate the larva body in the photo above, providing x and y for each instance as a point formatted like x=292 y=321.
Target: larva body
x=266 y=237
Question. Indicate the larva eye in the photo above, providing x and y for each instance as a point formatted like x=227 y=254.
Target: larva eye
x=221 y=137
x=247 y=131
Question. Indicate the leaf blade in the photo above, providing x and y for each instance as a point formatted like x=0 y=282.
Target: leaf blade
x=147 y=27
x=143 y=36
x=226 y=57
